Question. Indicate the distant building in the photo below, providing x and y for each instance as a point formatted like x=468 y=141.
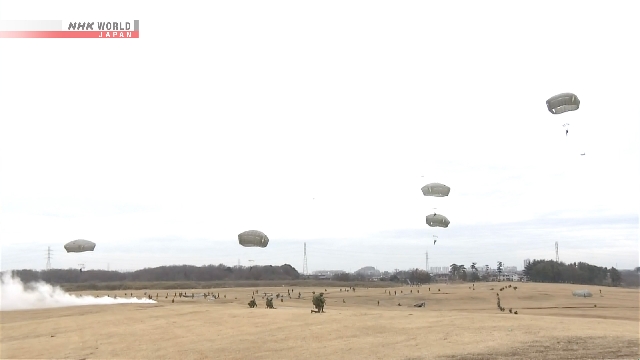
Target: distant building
x=369 y=271
x=328 y=273
x=439 y=270
x=510 y=269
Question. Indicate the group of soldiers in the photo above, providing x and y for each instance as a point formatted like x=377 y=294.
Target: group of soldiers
x=318 y=302
x=269 y=303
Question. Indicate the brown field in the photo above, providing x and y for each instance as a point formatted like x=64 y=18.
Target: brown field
x=457 y=323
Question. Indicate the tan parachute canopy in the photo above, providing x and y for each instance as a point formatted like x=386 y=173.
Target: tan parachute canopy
x=253 y=238
x=79 y=246
x=436 y=189
x=562 y=103
x=437 y=220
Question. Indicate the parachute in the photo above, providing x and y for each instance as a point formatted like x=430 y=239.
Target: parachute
x=437 y=220
x=79 y=245
x=562 y=103
x=582 y=293
x=253 y=238
x=436 y=189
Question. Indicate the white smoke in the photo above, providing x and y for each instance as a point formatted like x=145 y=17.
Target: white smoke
x=39 y=295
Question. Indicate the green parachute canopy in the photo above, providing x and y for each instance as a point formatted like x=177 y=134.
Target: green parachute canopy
x=437 y=220
x=562 y=103
x=79 y=246
x=253 y=238
x=436 y=189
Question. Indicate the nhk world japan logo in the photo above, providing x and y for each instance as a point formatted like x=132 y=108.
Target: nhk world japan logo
x=129 y=29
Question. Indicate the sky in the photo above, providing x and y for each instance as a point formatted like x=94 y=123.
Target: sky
x=319 y=123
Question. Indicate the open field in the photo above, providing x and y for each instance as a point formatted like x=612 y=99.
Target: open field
x=457 y=323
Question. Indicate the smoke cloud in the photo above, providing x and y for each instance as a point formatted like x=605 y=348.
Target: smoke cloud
x=39 y=295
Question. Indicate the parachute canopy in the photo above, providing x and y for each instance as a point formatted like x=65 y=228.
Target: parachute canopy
x=253 y=238
x=79 y=246
x=437 y=220
x=436 y=189
x=562 y=103
x=582 y=293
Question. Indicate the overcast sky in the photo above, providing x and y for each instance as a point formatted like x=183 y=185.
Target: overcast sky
x=319 y=122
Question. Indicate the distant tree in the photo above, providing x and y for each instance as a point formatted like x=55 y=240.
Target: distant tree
x=419 y=276
x=342 y=277
x=615 y=276
x=528 y=268
x=487 y=273
x=453 y=270
x=462 y=274
x=630 y=278
x=499 y=268
x=474 y=272
x=175 y=273
x=577 y=273
x=360 y=277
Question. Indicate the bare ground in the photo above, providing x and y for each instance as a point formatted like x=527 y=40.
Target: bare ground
x=457 y=323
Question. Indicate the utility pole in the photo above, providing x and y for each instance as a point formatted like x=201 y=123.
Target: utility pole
x=557 y=257
x=48 y=258
x=305 y=267
x=427 y=263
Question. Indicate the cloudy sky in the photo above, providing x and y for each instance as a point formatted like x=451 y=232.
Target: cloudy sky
x=319 y=123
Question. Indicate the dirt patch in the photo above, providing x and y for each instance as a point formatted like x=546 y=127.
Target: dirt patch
x=570 y=347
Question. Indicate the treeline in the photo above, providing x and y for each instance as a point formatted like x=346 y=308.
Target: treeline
x=538 y=271
x=176 y=273
x=415 y=276
x=577 y=273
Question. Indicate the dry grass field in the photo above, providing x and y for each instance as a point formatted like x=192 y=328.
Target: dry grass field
x=457 y=323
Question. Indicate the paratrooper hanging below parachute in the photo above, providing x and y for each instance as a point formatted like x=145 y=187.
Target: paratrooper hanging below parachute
x=253 y=238
x=562 y=103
